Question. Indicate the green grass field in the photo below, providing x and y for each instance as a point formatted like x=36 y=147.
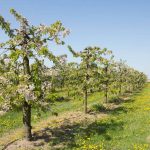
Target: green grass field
x=125 y=128
x=13 y=119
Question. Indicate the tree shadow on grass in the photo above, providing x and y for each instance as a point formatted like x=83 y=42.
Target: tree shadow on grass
x=112 y=108
x=119 y=107
x=66 y=134
x=120 y=100
x=118 y=110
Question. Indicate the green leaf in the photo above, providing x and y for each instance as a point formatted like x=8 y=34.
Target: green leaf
x=43 y=51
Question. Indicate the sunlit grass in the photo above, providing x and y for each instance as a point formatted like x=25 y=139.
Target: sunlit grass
x=125 y=128
x=13 y=119
x=128 y=131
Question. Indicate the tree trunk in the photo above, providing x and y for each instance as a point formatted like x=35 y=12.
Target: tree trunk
x=106 y=84
x=68 y=93
x=26 y=105
x=120 y=89
x=106 y=94
x=27 y=121
x=52 y=85
x=85 y=101
x=86 y=79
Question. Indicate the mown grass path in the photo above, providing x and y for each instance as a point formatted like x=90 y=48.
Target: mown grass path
x=13 y=120
x=132 y=131
x=127 y=127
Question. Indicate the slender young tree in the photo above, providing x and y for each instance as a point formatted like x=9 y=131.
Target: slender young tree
x=107 y=73
x=121 y=73
x=87 y=70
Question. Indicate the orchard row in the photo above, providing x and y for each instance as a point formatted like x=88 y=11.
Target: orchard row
x=26 y=81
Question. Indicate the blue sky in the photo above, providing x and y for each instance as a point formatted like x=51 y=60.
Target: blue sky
x=120 y=25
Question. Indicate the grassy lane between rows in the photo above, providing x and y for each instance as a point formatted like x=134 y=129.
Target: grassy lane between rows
x=13 y=119
x=126 y=127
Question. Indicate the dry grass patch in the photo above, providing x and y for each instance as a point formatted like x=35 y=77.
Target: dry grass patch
x=48 y=130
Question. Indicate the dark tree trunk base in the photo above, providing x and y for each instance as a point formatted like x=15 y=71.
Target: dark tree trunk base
x=27 y=121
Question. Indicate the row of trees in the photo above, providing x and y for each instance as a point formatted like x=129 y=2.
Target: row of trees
x=97 y=71
x=25 y=80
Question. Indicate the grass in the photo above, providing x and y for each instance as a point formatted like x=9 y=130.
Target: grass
x=123 y=130
x=126 y=127
x=13 y=119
